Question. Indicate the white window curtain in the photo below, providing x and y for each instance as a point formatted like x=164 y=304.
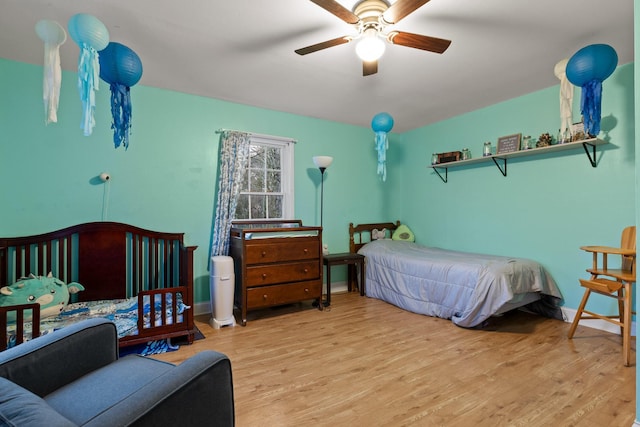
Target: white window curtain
x=234 y=155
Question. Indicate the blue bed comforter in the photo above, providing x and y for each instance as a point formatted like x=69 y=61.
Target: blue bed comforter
x=467 y=288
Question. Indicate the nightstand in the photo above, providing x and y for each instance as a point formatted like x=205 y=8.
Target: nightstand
x=352 y=261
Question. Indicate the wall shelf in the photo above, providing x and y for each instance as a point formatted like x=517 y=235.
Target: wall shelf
x=500 y=160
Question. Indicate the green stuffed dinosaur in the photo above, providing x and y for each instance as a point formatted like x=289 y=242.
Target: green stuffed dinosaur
x=50 y=292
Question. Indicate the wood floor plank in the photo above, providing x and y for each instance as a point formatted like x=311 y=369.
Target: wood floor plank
x=366 y=362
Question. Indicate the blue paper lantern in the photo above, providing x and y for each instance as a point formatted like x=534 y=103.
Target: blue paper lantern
x=121 y=68
x=91 y=35
x=588 y=68
x=593 y=62
x=120 y=64
x=381 y=124
x=87 y=29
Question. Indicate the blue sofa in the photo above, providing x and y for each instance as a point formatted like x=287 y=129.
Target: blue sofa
x=74 y=377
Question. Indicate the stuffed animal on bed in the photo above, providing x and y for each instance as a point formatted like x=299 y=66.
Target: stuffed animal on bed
x=378 y=234
x=50 y=292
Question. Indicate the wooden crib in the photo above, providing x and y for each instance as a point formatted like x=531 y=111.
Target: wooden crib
x=112 y=261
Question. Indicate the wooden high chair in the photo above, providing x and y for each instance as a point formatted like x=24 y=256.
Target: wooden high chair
x=614 y=283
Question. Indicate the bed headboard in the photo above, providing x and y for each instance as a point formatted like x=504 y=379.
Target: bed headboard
x=111 y=260
x=361 y=234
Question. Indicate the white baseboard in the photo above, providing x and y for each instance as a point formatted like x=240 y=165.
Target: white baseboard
x=200 y=308
x=569 y=313
x=603 y=325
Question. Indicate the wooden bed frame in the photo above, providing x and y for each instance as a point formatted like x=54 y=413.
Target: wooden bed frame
x=360 y=234
x=112 y=261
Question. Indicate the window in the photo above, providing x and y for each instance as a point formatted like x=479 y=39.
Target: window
x=267 y=188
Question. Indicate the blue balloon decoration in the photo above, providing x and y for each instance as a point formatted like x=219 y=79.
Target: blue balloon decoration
x=588 y=68
x=382 y=123
x=121 y=68
x=91 y=35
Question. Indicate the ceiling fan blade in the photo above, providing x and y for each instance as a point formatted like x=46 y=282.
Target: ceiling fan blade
x=369 y=67
x=400 y=10
x=323 y=45
x=338 y=10
x=417 y=41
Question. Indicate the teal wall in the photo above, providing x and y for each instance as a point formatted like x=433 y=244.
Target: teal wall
x=544 y=209
x=547 y=206
x=166 y=180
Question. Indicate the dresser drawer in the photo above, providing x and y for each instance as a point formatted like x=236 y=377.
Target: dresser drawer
x=260 y=275
x=266 y=296
x=288 y=250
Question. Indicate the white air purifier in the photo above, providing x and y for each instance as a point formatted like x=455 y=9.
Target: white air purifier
x=222 y=286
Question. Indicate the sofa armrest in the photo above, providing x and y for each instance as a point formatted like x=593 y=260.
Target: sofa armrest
x=51 y=361
x=199 y=391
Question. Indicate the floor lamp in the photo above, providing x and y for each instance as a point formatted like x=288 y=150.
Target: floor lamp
x=322 y=163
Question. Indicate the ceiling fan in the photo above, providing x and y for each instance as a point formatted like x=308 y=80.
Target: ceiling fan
x=370 y=18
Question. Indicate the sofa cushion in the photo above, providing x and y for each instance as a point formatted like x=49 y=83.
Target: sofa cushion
x=20 y=407
x=99 y=390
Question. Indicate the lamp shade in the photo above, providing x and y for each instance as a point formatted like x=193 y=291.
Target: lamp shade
x=322 y=161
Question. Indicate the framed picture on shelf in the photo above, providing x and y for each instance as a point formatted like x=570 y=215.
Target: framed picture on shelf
x=508 y=144
x=577 y=132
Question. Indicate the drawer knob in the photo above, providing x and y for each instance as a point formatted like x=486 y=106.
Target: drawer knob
x=306 y=251
x=264 y=254
x=264 y=296
x=306 y=290
x=264 y=275
x=306 y=270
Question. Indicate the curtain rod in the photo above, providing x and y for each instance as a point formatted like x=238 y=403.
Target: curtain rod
x=259 y=135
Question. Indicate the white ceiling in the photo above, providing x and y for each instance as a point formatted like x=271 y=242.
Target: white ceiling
x=243 y=51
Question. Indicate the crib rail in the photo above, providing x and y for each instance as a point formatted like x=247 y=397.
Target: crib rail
x=21 y=315
x=156 y=321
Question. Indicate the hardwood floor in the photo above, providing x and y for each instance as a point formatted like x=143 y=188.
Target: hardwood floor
x=364 y=362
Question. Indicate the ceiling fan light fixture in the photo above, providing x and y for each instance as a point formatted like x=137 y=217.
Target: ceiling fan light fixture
x=371 y=46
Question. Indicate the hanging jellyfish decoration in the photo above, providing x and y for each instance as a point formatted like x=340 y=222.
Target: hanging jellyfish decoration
x=121 y=68
x=53 y=36
x=588 y=68
x=382 y=123
x=91 y=36
x=566 y=94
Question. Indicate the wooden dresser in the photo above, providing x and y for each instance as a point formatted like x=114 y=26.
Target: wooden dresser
x=275 y=263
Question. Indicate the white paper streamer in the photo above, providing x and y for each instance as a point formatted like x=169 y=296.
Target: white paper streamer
x=566 y=95
x=53 y=36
